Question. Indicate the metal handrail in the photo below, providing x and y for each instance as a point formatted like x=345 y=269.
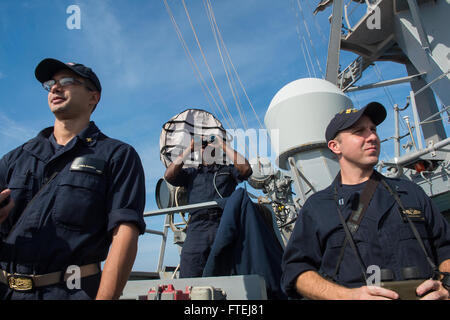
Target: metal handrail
x=167 y=211
x=190 y=207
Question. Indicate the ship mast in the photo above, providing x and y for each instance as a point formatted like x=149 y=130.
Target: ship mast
x=413 y=33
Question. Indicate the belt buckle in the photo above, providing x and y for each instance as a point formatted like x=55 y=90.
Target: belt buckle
x=20 y=282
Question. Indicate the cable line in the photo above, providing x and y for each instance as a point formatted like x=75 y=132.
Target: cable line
x=310 y=39
x=213 y=18
x=193 y=64
x=225 y=66
x=207 y=65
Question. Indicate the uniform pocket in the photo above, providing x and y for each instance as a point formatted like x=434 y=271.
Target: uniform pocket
x=410 y=251
x=21 y=194
x=405 y=231
x=80 y=201
x=336 y=240
x=349 y=268
x=19 y=188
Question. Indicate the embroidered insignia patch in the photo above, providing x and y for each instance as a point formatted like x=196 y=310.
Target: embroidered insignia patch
x=413 y=214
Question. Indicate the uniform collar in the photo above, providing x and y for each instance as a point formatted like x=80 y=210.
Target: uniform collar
x=41 y=148
x=398 y=188
x=382 y=198
x=337 y=180
x=336 y=187
x=89 y=135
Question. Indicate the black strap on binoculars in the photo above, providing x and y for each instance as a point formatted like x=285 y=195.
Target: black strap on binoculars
x=413 y=228
x=352 y=225
x=377 y=178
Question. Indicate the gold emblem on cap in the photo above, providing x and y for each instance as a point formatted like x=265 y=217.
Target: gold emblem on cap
x=88 y=139
x=349 y=110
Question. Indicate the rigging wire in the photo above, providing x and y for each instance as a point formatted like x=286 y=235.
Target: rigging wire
x=310 y=38
x=386 y=89
x=355 y=98
x=226 y=61
x=309 y=57
x=194 y=65
x=317 y=25
x=220 y=43
x=304 y=55
x=225 y=67
x=231 y=63
x=300 y=38
x=207 y=66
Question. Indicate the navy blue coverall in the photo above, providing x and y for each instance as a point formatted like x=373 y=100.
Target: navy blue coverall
x=246 y=244
x=71 y=219
x=203 y=223
x=383 y=239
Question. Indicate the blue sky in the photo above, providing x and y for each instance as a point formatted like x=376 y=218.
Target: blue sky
x=146 y=77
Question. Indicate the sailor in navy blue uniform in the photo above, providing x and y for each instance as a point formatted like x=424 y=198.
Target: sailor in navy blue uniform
x=211 y=180
x=77 y=198
x=316 y=266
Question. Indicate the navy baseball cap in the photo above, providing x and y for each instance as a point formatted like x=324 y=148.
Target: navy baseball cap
x=348 y=117
x=48 y=67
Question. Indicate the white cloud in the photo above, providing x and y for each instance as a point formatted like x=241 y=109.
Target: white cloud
x=135 y=57
x=13 y=134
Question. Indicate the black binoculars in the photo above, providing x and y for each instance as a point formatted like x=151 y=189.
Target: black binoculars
x=408 y=273
x=406 y=288
x=205 y=140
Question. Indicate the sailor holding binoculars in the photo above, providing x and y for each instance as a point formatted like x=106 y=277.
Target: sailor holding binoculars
x=211 y=180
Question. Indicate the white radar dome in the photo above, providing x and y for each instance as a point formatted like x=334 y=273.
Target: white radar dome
x=299 y=114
